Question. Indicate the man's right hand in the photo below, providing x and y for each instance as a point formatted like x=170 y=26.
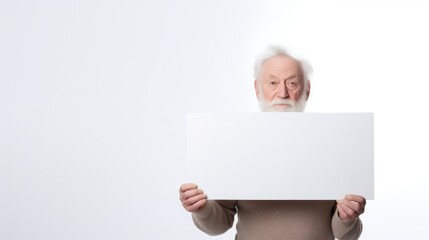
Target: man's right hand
x=193 y=198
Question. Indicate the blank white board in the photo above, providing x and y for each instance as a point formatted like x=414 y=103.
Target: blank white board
x=281 y=156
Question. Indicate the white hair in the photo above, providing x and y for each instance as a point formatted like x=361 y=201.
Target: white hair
x=274 y=51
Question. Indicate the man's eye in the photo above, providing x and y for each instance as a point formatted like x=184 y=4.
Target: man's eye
x=292 y=84
x=272 y=83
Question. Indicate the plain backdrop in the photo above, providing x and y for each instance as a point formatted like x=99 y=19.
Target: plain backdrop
x=94 y=95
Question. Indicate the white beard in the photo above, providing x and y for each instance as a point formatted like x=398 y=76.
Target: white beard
x=298 y=106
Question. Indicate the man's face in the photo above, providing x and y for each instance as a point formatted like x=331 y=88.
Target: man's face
x=280 y=86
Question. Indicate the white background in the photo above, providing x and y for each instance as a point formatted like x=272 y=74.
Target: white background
x=94 y=95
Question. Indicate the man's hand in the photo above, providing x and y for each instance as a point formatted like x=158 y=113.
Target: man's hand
x=193 y=199
x=351 y=207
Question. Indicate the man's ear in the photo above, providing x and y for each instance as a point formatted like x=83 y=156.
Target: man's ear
x=255 y=84
x=308 y=89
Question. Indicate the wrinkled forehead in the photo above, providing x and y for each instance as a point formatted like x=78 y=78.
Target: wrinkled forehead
x=282 y=65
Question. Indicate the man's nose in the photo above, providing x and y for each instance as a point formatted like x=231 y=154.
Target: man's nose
x=282 y=91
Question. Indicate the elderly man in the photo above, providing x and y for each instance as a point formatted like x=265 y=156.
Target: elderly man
x=281 y=85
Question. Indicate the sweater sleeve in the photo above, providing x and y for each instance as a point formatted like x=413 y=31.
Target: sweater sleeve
x=217 y=217
x=346 y=230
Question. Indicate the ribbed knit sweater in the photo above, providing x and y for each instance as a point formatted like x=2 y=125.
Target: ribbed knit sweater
x=277 y=220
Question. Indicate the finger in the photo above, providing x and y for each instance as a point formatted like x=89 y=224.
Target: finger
x=355 y=206
x=355 y=198
x=187 y=186
x=190 y=193
x=193 y=200
x=350 y=212
x=198 y=206
x=343 y=215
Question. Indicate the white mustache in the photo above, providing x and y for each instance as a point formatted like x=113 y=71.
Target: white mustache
x=282 y=101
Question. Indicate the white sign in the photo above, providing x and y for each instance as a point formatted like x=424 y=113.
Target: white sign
x=281 y=156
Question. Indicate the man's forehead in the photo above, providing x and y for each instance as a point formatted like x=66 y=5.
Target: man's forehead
x=287 y=76
x=281 y=65
x=281 y=62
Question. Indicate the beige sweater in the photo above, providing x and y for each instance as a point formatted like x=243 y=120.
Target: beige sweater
x=277 y=220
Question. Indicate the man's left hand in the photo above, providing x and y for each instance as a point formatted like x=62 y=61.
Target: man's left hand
x=351 y=207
